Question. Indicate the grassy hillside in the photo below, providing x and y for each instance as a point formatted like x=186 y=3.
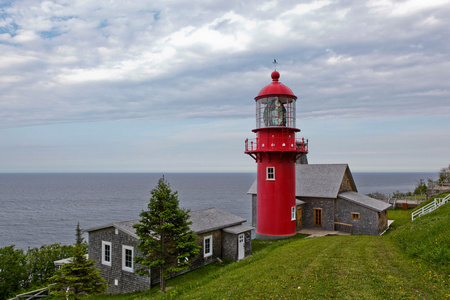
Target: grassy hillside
x=428 y=237
x=341 y=267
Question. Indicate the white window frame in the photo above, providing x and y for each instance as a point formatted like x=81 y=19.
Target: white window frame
x=210 y=252
x=104 y=261
x=293 y=213
x=124 y=251
x=270 y=175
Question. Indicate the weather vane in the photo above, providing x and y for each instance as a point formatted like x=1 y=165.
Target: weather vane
x=275 y=63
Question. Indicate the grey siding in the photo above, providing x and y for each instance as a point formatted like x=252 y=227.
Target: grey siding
x=217 y=249
x=327 y=206
x=131 y=282
x=382 y=221
x=368 y=222
x=123 y=281
x=126 y=281
x=230 y=245
x=254 y=210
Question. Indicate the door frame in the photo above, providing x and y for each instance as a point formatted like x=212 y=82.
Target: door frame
x=241 y=246
x=318 y=217
x=299 y=217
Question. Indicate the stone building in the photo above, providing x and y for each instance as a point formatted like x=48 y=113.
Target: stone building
x=327 y=199
x=113 y=246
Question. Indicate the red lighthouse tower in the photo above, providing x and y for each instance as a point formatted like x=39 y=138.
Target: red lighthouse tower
x=275 y=151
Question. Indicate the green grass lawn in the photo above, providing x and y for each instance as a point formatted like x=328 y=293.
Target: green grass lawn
x=340 y=267
x=400 y=217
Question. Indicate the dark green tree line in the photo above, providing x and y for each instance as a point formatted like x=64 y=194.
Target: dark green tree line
x=13 y=271
x=22 y=271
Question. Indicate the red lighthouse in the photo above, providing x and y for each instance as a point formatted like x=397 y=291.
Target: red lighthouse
x=275 y=151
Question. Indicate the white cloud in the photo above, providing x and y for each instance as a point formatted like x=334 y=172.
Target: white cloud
x=302 y=9
x=404 y=8
x=268 y=5
x=99 y=61
x=338 y=59
x=10 y=59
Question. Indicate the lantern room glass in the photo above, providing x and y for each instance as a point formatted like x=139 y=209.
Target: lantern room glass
x=275 y=111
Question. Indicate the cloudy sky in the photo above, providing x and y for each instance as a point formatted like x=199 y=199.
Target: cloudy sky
x=169 y=86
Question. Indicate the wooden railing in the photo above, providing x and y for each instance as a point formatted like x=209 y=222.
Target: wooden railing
x=338 y=226
x=37 y=294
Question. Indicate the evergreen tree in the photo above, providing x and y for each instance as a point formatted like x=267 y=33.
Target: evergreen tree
x=78 y=277
x=165 y=240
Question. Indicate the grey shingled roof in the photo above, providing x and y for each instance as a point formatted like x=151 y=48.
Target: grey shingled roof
x=212 y=219
x=316 y=180
x=365 y=201
x=322 y=180
x=238 y=229
x=254 y=188
x=202 y=221
x=125 y=226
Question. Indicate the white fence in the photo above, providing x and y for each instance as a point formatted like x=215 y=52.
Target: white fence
x=429 y=207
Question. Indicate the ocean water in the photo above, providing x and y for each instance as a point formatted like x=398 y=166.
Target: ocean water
x=38 y=209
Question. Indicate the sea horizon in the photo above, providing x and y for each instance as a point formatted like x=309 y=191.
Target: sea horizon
x=44 y=208
x=203 y=172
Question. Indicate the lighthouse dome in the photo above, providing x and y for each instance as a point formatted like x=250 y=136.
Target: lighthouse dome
x=276 y=88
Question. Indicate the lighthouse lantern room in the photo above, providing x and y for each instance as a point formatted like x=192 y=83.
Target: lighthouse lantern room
x=275 y=151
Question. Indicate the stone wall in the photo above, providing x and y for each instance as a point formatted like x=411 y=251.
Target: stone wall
x=368 y=222
x=327 y=206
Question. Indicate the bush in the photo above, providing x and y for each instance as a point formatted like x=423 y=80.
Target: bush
x=40 y=262
x=13 y=271
x=421 y=188
x=377 y=195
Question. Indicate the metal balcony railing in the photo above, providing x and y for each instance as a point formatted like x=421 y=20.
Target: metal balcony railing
x=280 y=144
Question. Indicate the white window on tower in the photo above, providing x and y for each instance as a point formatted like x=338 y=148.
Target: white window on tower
x=207 y=246
x=270 y=173
x=106 y=253
x=293 y=216
x=127 y=258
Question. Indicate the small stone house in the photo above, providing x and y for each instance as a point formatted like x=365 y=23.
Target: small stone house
x=113 y=246
x=327 y=199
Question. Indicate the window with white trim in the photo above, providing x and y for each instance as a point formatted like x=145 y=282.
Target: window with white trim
x=293 y=215
x=127 y=258
x=106 y=253
x=270 y=173
x=207 y=246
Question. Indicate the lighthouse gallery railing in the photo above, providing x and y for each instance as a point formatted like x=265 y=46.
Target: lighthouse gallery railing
x=276 y=144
